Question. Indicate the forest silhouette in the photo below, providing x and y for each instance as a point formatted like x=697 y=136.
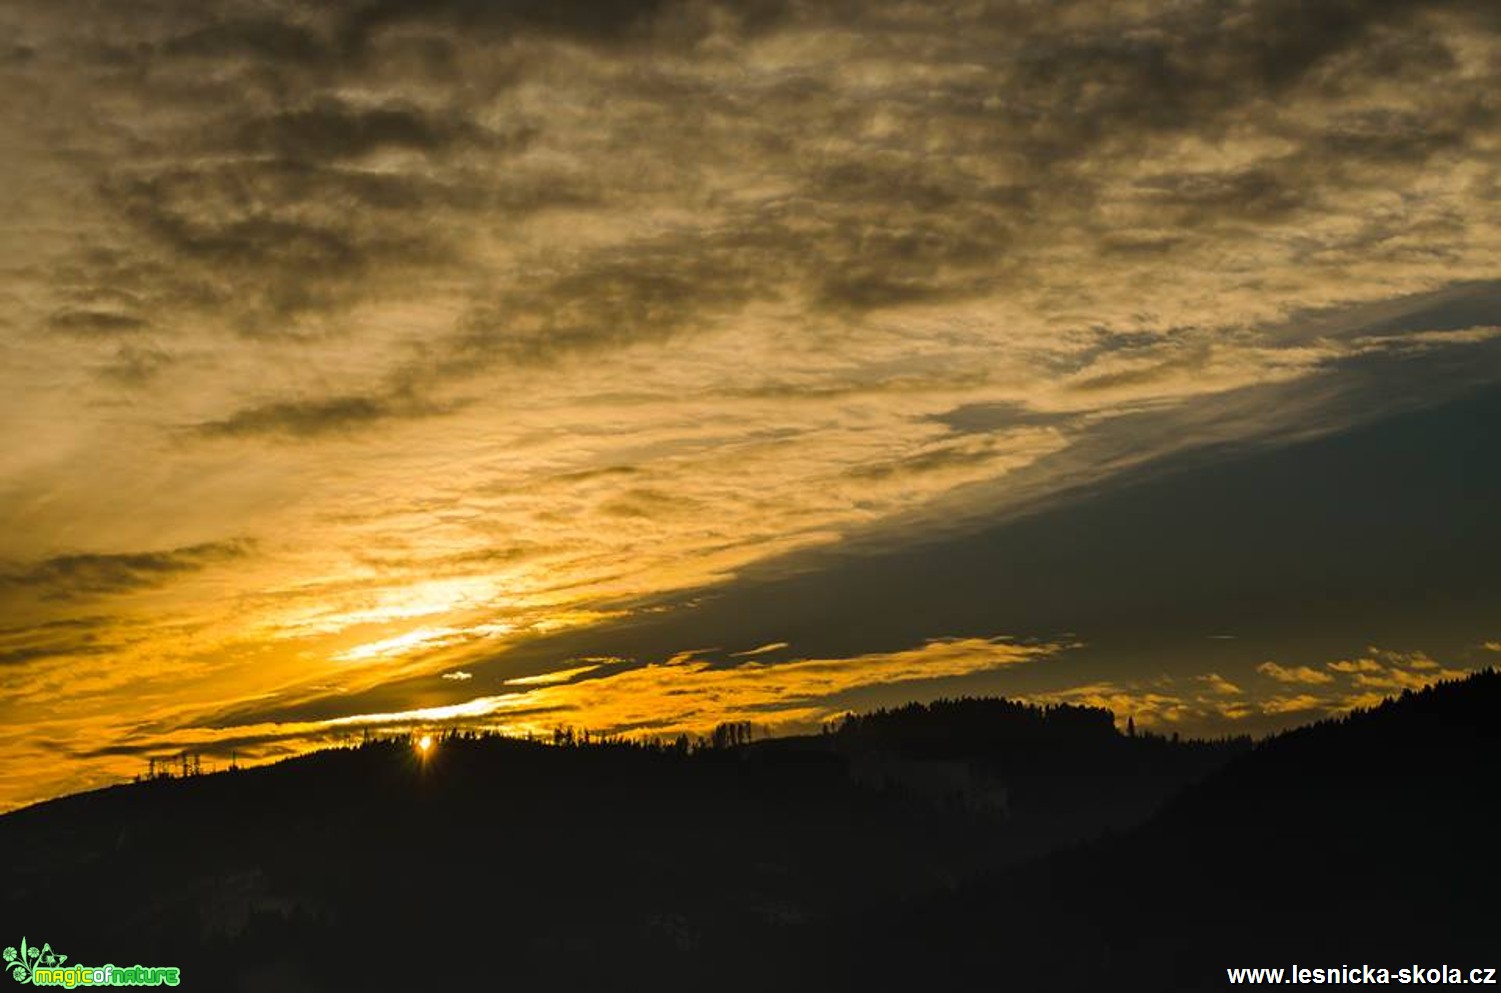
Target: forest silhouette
x=963 y=844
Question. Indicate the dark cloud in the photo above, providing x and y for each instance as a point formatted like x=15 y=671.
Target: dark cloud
x=260 y=39
x=95 y=323
x=616 y=298
x=1190 y=199
x=302 y=419
x=1386 y=135
x=250 y=214
x=1455 y=309
x=66 y=577
x=1193 y=62
x=936 y=460
x=135 y=365
x=65 y=638
x=269 y=241
x=261 y=206
x=329 y=130
x=987 y=418
x=17 y=55
x=647 y=504
x=598 y=21
x=1190 y=358
x=18 y=656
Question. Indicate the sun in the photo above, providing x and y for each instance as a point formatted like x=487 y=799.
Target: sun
x=425 y=744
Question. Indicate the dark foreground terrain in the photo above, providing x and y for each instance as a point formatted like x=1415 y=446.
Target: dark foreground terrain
x=1369 y=840
x=963 y=845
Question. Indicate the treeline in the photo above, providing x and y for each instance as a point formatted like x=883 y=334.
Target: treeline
x=727 y=734
x=980 y=725
x=970 y=726
x=981 y=716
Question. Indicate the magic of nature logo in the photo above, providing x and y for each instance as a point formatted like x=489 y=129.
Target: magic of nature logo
x=41 y=966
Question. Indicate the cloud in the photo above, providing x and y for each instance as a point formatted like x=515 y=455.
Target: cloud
x=766 y=649
x=1146 y=707
x=302 y=419
x=682 y=693
x=1220 y=684
x=689 y=693
x=1208 y=704
x=1064 y=121
x=135 y=365
x=557 y=676
x=330 y=130
x=92 y=323
x=1356 y=666
x=458 y=676
x=611 y=299
x=419 y=640
x=1303 y=703
x=1403 y=671
x=598 y=21
x=69 y=638
x=68 y=577
x=1295 y=674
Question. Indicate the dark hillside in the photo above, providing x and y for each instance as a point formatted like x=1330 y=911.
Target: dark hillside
x=1368 y=840
x=574 y=864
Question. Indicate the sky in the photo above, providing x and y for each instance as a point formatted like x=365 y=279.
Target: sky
x=636 y=366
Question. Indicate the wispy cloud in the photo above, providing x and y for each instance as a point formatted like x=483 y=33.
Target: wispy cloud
x=683 y=693
x=67 y=577
x=312 y=418
x=1219 y=684
x=1210 y=704
x=565 y=675
x=767 y=649
x=1294 y=674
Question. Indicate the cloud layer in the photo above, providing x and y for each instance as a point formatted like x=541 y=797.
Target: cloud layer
x=1209 y=704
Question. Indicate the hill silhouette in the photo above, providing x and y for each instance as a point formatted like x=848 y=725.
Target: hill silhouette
x=957 y=845
x=1364 y=840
